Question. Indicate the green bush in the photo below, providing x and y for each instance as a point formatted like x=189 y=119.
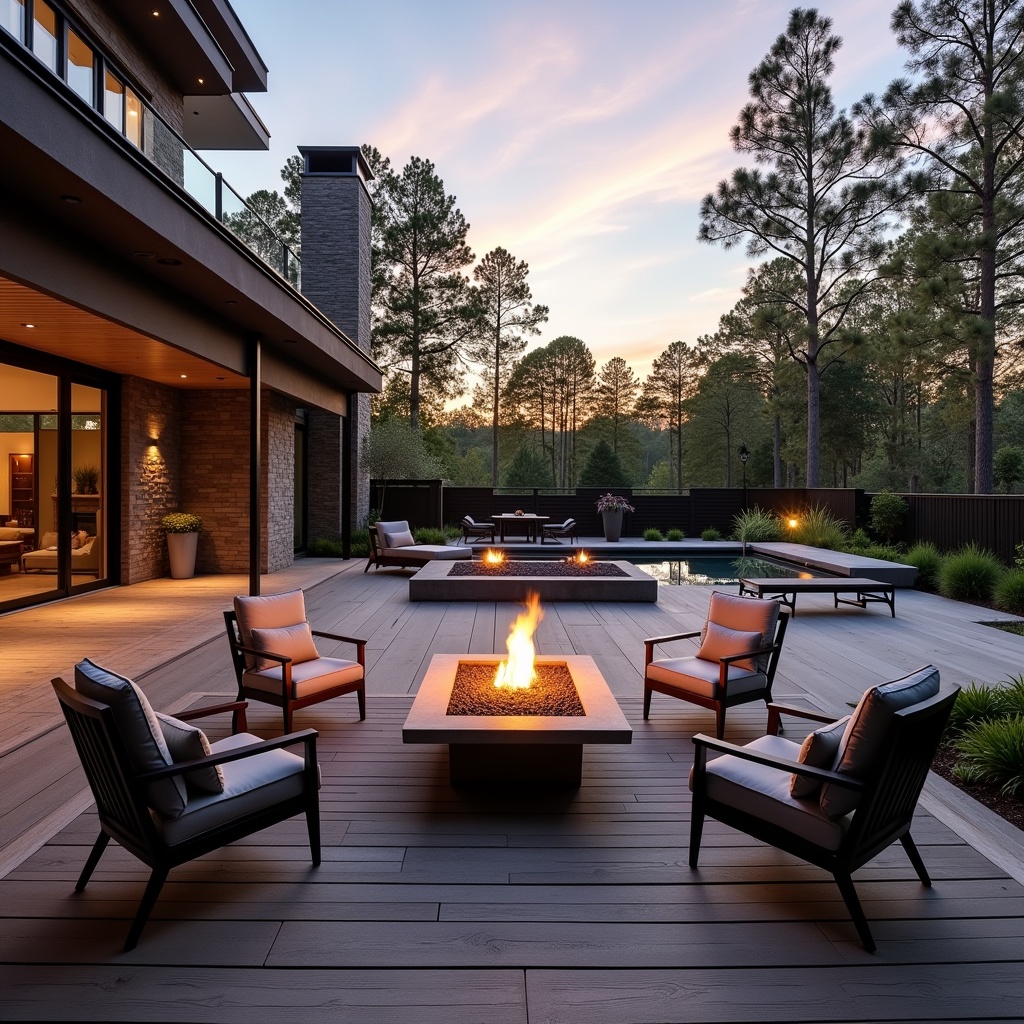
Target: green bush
x=970 y=574
x=429 y=535
x=322 y=547
x=976 y=704
x=860 y=540
x=674 y=534
x=887 y=552
x=994 y=752
x=926 y=559
x=710 y=534
x=887 y=514
x=754 y=525
x=653 y=533
x=1009 y=592
x=1013 y=696
x=819 y=528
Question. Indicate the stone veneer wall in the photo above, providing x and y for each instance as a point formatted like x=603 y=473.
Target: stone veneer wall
x=200 y=463
x=278 y=481
x=323 y=439
x=151 y=464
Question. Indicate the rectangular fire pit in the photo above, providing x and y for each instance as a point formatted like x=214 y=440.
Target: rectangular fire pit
x=436 y=582
x=515 y=748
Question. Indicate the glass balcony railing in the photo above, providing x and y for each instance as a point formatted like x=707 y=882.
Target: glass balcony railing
x=169 y=151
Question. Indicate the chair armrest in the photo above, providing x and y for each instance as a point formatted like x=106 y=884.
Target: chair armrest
x=236 y=707
x=776 y=711
x=280 y=658
x=307 y=737
x=650 y=642
x=357 y=640
x=704 y=743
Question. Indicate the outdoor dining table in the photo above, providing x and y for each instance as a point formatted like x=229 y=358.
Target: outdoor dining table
x=531 y=524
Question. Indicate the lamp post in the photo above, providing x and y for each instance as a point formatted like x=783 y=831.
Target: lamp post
x=744 y=454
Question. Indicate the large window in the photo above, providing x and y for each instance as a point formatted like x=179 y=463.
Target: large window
x=12 y=18
x=44 y=35
x=80 y=66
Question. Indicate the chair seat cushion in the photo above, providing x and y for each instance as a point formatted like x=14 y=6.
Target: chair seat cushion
x=764 y=792
x=139 y=728
x=399 y=539
x=250 y=785
x=308 y=677
x=430 y=552
x=694 y=675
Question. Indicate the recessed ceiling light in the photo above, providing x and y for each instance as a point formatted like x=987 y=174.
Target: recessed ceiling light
x=169 y=261
x=231 y=302
x=143 y=255
x=183 y=375
x=28 y=325
x=71 y=199
x=291 y=341
x=200 y=81
x=222 y=378
x=156 y=14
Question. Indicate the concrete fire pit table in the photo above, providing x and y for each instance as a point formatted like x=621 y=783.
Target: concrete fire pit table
x=524 y=748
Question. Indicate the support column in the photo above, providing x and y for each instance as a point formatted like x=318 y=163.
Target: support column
x=255 y=465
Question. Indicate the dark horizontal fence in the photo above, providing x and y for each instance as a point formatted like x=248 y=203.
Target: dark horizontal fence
x=949 y=521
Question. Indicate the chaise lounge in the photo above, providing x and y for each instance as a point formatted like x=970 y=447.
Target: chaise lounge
x=84 y=558
x=392 y=545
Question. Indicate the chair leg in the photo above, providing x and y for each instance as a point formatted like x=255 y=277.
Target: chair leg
x=720 y=721
x=153 y=887
x=696 y=830
x=94 y=858
x=647 y=700
x=287 y=713
x=313 y=829
x=361 y=697
x=915 y=859
x=850 y=898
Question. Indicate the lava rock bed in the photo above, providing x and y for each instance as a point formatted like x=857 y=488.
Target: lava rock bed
x=552 y=693
x=525 y=568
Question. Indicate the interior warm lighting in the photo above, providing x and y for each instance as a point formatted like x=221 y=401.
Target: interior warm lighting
x=28 y=325
x=183 y=375
x=200 y=81
x=492 y=556
x=517 y=670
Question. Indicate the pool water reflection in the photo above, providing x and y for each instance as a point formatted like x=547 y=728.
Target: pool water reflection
x=714 y=569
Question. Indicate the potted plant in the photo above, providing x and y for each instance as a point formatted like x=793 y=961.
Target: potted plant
x=86 y=479
x=611 y=507
x=182 y=529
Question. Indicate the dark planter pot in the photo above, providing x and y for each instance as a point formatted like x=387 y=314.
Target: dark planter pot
x=612 y=522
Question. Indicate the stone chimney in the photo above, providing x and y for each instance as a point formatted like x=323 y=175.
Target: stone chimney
x=336 y=211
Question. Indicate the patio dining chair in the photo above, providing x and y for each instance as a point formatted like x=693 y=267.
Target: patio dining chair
x=276 y=660
x=568 y=528
x=471 y=528
x=840 y=798
x=741 y=641
x=167 y=794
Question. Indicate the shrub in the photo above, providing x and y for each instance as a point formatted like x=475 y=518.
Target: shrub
x=994 y=752
x=322 y=547
x=884 y=551
x=887 y=514
x=970 y=574
x=674 y=534
x=429 y=535
x=653 y=533
x=819 y=528
x=860 y=540
x=1013 y=696
x=976 y=704
x=754 y=525
x=926 y=559
x=710 y=534
x=1009 y=592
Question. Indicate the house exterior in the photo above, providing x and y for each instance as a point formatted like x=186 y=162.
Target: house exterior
x=155 y=338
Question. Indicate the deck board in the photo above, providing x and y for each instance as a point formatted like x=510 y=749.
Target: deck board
x=434 y=904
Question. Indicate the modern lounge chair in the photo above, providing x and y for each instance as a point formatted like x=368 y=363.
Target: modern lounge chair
x=843 y=796
x=277 y=662
x=471 y=528
x=392 y=544
x=735 y=664
x=556 y=530
x=168 y=795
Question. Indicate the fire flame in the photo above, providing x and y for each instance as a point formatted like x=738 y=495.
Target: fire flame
x=579 y=558
x=517 y=670
x=492 y=556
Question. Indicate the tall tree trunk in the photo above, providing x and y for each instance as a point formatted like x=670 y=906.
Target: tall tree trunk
x=494 y=413
x=777 y=450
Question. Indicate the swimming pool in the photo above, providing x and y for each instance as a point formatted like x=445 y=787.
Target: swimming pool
x=700 y=570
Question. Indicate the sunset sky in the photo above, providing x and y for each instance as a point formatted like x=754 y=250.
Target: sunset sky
x=581 y=136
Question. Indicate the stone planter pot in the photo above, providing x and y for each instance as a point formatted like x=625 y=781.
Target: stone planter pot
x=612 y=522
x=181 y=548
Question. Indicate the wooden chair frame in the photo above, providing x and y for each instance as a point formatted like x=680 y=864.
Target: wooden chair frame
x=721 y=699
x=884 y=813
x=287 y=699
x=121 y=794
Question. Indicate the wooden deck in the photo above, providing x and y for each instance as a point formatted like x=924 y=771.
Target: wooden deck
x=440 y=905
